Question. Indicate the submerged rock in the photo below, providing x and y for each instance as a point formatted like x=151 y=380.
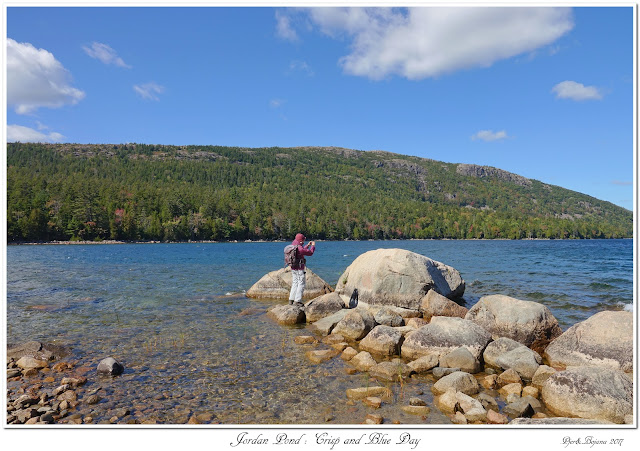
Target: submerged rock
x=526 y=322
x=277 y=285
x=398 y=277
x=605 y=339
x=110 y=366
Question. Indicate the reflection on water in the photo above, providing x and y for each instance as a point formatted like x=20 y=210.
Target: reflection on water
x=175 y=315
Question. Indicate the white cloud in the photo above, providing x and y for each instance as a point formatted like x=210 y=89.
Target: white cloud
x=423 y=42
x=301 y=66
x=576 y=91
x=149 y=91
x=36 y=79
x=105 y=54
x=19 y=133
x=276 y=103
x=489 y=135
x=284 y=28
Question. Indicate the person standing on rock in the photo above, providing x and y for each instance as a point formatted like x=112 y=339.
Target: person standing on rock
x=297 y=264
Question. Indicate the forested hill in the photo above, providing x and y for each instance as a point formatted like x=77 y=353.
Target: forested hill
x=155 y=192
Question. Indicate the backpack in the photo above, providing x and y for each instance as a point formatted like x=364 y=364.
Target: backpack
x=291 y=256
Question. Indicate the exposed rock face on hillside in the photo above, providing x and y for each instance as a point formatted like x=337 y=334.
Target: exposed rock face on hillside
x=473 y=170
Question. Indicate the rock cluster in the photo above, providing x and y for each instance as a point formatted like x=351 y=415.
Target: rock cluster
x=43 y=389
x=502 y=361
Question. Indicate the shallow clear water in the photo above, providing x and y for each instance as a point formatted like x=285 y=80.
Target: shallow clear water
x=175 y=315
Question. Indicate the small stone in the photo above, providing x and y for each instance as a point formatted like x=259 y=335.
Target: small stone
x=489 y=382
x=49 y=379
x=74 y=381
x=350 y=371
x=363 y=361
x=68 y=395
x=373 y=419
x=305 y=339
x=13 y=373
x=60 y=389
x=348 y=354
x=110 y=366
x=511 y=389
x=509 y=377
x=47 y=418
x=459 y=418
x=372 y=401
x=64 y=405
x=93 y=399
x=340 y=346
x=28 y=362
x=416 y=410
x=417 y=402
x=333 y=338
x=321 y=356
x=488 y=402
x=539 y=415
x=363 y=392
x=205 y=417
x=530 y=391
x=30 y=372
x=60 y=367
x=494 y=417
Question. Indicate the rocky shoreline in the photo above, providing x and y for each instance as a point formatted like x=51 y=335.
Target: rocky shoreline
x=504 y=361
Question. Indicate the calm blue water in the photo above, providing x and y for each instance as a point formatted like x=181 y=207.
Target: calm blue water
x=176 y=315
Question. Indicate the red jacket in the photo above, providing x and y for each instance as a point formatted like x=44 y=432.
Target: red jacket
x=303 y=251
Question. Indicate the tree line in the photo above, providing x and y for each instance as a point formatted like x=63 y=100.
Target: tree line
x=170 y=193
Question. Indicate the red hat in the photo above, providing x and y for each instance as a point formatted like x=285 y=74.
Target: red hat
x=300 y=237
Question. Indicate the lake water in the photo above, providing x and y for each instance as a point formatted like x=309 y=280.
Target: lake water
x=176 y=316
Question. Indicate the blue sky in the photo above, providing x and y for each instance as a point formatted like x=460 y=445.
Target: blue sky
x=545 y=93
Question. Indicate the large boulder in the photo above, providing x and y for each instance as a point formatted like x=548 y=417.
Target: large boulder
x=356 y=324
x=443 y=335
x=526 y=322
x=605 y=339
x=323 y=306
x=398 y=277
x=277 y=285
x=435 y=304
x=287 y=314
x=382 y=340
x=590 y=392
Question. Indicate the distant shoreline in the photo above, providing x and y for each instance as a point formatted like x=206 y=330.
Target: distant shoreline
x=70 y=243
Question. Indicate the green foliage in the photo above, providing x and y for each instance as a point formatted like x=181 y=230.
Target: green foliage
x=170 y=193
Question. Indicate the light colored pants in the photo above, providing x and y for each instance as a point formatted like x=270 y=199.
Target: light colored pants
x=297 y=285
